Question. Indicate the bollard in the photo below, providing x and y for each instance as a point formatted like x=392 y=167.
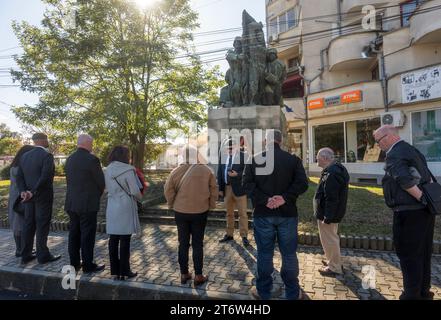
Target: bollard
x=315 y=240
x=343 y=241
x=436 y=247
x=388 y=244
x=308 y=238
x=357 y=242
x=365 y=242
x=302 y=238
x=350 y=242
x=373 y=243
x=380 y=244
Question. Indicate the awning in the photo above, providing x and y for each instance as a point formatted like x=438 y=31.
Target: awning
x=293 y=84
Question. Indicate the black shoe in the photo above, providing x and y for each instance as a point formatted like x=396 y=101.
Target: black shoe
x=328 y=272
x=18 y=254
x=226 y=238
x=245 y=242
x=428 y=295
x=129 y=275
x=28 y=259
x=50 y=259
x=95 y=268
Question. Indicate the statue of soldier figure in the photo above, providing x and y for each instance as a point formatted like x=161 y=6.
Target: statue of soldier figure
x=235 y=59
x=275 y=74
x=256 y=75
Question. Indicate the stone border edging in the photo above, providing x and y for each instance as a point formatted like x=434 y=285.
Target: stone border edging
x=380 y=243
x=44 y=283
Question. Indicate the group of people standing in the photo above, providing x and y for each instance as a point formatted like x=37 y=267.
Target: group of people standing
x=191 y=190
x=31 y=201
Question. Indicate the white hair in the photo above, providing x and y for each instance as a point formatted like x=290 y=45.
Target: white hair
x=326 y=154
x=84 y=138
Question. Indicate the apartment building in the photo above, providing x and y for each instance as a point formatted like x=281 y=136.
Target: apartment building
x=351 y=69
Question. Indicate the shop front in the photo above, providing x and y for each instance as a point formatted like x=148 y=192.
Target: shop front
x=344 y=119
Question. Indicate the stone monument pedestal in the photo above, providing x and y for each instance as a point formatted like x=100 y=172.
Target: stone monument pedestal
x=246 y=117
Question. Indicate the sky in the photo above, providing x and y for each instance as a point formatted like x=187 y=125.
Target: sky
x=213 y=15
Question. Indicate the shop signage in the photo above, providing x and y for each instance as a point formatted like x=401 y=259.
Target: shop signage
x=344 y=98
x=332 y=101
x=316 y=103
x=420 y=85
x=352 y=96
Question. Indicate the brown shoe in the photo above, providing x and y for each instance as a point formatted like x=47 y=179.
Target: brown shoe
x=200 y=279
x=185 y=277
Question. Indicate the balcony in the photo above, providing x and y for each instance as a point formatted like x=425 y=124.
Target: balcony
x=350 y=6
x=425 y=24
x=345 y=52
x=351 y=98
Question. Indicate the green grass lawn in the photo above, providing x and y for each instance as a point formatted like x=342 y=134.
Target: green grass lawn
x=366 y=213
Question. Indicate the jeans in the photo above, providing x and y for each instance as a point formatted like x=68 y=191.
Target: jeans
x=413 y=240
x=191 y=225
x=119 y=263
x=266 y=231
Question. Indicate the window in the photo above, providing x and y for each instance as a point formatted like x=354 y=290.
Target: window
x=283 y=22
x=291 y=16
x=273 y=27
x=407 y=9
x=332 y=136
x=295 y=142
x=283 y=26
x=360 y=143
x=426 y=133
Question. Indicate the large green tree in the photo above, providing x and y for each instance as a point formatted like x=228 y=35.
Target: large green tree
x=122 y=74
x=10 y=141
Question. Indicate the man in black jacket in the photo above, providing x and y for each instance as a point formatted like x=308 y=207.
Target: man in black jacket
x=274 y=194
x=413 y=226
x=229 y=177
x=85 y=185
x=35 y=179
x=330 y=207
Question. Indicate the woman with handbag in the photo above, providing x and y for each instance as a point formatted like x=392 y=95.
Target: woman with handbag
x=191 y=191
x=122 y=218
x=16 y=219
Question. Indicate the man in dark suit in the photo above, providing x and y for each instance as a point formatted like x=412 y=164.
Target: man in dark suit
x=35 y=181
x=274 y=180
x=85 y=185
x=229 y=176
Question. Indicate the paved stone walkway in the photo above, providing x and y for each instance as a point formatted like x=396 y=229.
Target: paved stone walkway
x=231 y=267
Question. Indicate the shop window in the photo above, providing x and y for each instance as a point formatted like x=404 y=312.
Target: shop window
x=426 y=134
x=332 y=136
x=295 y=142
x=360 y=143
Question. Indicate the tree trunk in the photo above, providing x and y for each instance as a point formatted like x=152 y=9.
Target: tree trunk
x=138 y=152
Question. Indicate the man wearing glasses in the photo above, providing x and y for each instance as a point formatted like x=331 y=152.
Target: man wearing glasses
x=413 y=225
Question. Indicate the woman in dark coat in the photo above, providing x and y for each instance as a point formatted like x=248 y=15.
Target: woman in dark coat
x=16 y=220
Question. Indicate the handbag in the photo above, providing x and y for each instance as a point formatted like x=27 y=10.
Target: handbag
x=138 y=202
x=432 y=195
x=19 y=206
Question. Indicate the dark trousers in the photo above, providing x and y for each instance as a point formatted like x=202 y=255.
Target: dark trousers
x=119 y=253
x=191 y=225
x=82 y=232
x=37 y=220
x=413 y=240
x=17 y=239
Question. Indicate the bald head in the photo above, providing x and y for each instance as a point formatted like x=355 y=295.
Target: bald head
x=325 y=157
x=386 y=136
x=85 y=141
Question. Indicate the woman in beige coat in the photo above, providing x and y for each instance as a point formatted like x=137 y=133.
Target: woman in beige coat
x=191 y=191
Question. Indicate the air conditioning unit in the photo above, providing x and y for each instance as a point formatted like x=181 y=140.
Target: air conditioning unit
x=273 y=38
x=395 y=118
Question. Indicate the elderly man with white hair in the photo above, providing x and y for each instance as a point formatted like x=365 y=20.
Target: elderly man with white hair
x=330 y=207
x=413 y=225
x=85 y=185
